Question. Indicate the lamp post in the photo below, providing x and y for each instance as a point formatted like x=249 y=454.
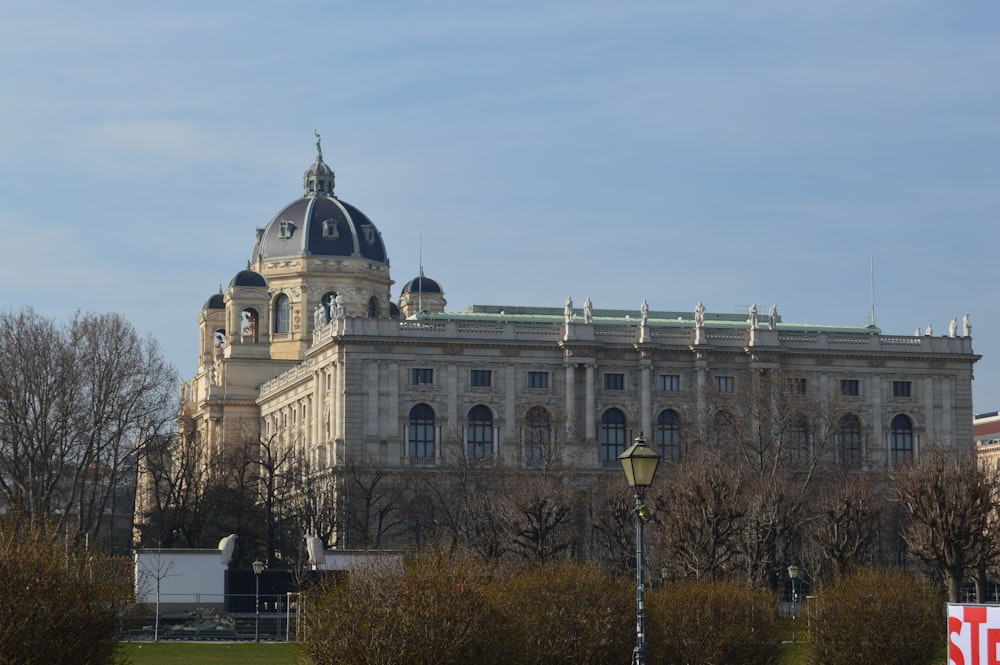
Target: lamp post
x=639 y=463
x=258 y=568
x=793 y=573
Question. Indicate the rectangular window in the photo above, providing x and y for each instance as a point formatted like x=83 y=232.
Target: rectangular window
x=670 y=383
x=725 y=384
x=480 y=378
x=423 y=376
x=614 y=381
x=797 y=386
x=850 y=387
x=900 y=388
x=538 y=379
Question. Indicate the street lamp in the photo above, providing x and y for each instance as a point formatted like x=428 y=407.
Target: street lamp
x=639 y=463
x=793 y=573
x=258 y=568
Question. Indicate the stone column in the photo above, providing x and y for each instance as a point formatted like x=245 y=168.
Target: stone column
x=571 y=396
x=589 y=405
x=645 y=399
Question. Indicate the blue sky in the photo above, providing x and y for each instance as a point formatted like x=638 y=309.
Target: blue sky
x=732 y=152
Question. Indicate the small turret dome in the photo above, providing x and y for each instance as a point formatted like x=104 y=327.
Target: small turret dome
x=215 y=301
x=248 y=278
x=422 y=284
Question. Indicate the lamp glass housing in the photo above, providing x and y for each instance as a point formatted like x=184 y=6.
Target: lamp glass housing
x=639 y=462
x=258 y=567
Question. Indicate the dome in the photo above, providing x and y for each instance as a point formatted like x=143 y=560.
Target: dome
x=422 y=284
x=248 y=278
x=319 y=224
x=215 y=301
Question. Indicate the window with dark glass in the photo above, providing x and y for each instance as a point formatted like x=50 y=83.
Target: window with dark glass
x=479 y=433
x=538 y=379
x=668 y=434
x=614 y=381
x=422 y=376
x=421 y=432
x=900 y=388
x=900 y=439
x=481 y=378
x=282 y=314
x=797 y=443
x=537 y=433
x=373 y=308
x=670 y=383
x=725 y=384
x=850 y=387
x=612 y=436
x=849 y=441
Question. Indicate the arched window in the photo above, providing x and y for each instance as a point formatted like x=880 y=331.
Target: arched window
x=421 y=432
x=282 y=314
x=327 y=301
x=900 y=440
x=479 y=433
x=249 y=326
x=537 y=434
x=373 y=308
x=612 y=435
x=849 y=441
x=668 y=434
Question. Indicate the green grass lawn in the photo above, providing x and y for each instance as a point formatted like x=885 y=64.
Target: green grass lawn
x=200 y=653
x=283 y=653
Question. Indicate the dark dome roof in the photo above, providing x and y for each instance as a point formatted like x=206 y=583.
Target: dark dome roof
x=215 y=301
x=422 y=284
x=320 y=226
x=248 y=278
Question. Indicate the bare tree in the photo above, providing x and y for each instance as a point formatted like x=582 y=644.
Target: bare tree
x=74 y=400
x=613 y=526
x=844 y=521
x=169 y=496
x=539 y=517
x=950 y=502
x=774 y=422
x=373 y=504
x=699 y=516
x=772 y=505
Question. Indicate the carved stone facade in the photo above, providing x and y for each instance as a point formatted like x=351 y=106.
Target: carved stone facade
x=305 y=347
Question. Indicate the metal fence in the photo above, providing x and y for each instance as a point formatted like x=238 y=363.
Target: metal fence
x=211 y=617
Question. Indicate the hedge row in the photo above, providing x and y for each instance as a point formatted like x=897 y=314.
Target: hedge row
x=455 y=609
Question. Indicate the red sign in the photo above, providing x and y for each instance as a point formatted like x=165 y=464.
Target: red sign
x=973 y=635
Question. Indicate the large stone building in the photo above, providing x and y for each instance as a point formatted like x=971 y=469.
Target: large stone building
x=308 y=348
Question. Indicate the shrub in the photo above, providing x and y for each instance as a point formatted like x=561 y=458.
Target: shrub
x=60 y=603
x=566 y=612
x=430 y=610
x=712 y=623
x=877 y=617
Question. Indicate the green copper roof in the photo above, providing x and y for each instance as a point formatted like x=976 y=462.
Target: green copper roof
x=618 y=317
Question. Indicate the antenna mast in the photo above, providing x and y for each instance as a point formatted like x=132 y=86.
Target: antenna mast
x=874 y=321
